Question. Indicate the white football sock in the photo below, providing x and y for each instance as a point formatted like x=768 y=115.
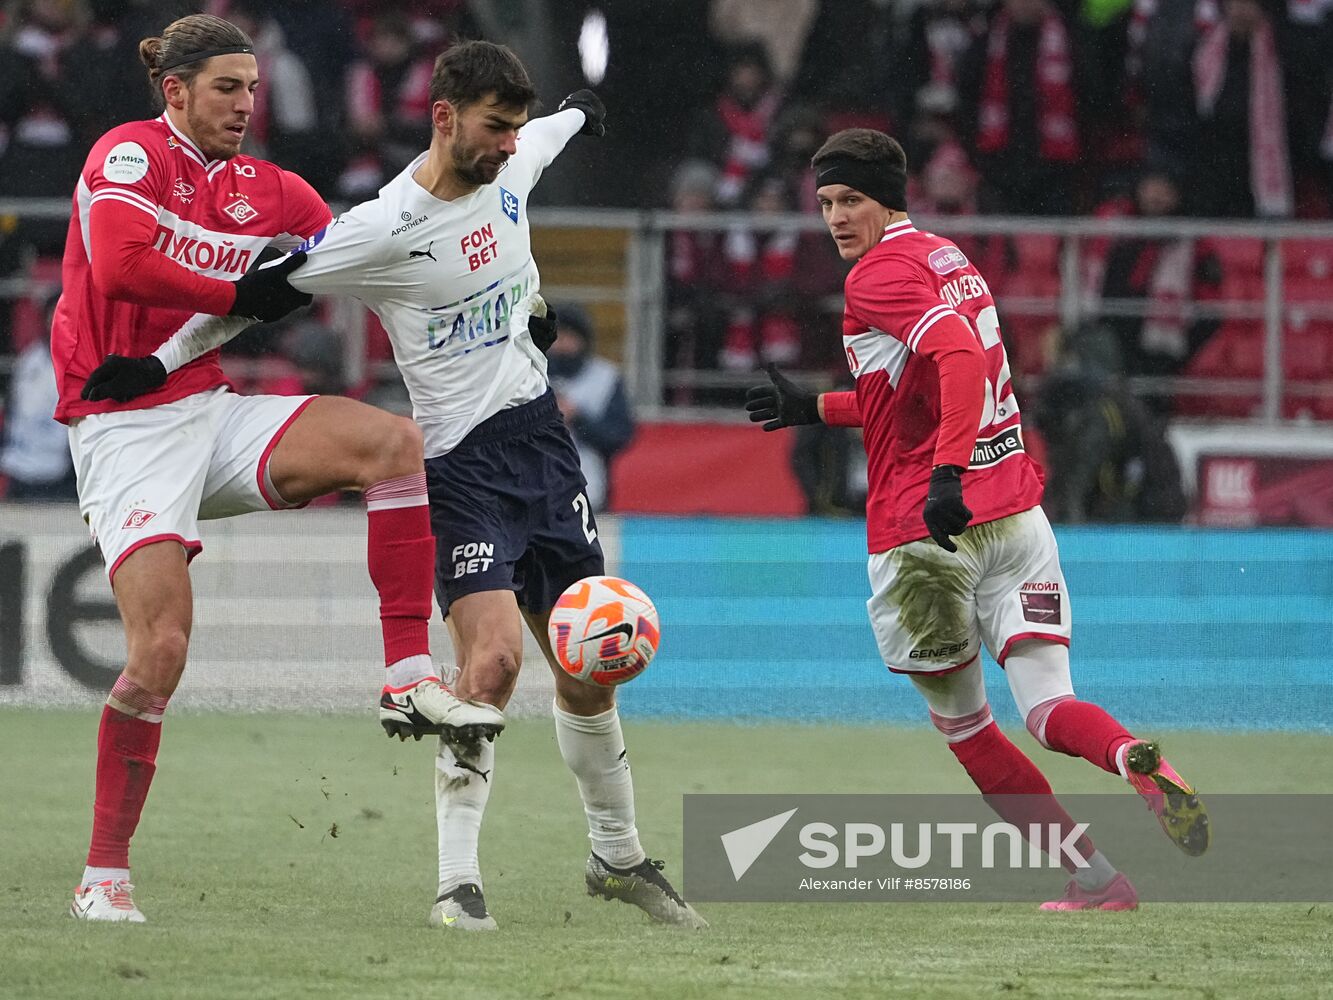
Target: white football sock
x=462 y=786
x=409 y=671
x=1097 y=874
x=91 y=876
x=594 y=749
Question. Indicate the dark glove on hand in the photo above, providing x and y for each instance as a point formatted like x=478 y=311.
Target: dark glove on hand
x=122 y=379
x=945 y=512
x=594 y=111
x=782 y=403
x=263 y=293
x=542 y=329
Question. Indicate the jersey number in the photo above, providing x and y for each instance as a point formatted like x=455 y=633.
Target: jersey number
x=995 y=408
x=585 y=512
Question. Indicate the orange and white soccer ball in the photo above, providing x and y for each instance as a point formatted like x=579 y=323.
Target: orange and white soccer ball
x=604 y=630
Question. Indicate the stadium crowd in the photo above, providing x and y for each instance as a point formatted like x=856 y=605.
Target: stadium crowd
x=1217 y=108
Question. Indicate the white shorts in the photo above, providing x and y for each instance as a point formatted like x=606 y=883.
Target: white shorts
x=151 y=475
x=932 y=609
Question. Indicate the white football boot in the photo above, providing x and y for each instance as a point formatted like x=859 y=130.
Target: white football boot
x=462 y=909
x=428 y=708
x=109 y=901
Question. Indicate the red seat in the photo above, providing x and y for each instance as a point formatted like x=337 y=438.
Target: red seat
x=1039 y=252
x=1236 y=350
x=1303 y=287
x=1307 y=351
x=1241 y=256
x=1313 y=258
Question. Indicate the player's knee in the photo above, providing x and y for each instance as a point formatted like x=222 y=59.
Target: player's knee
x=957 y=728
x=491 y=673
x=1037 y=716
x=580 y=698
x=402 y=450
x=157 y=658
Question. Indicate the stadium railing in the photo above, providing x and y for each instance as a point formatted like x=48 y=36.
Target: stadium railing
x=1270 y=359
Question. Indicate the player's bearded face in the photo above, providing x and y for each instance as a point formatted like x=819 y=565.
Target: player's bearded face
x=484 y=138
x=219 y=102
x=855 y=221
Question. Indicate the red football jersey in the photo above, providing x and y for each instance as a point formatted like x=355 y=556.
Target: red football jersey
x=210 y=216
x=896 y=296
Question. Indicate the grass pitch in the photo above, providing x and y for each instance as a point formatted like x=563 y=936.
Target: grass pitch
x=286 y=858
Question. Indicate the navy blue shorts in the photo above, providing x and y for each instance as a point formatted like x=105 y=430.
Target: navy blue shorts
x=509 y=510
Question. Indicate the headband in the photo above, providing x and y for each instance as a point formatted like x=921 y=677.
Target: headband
x=192 y=57
x=885 y=183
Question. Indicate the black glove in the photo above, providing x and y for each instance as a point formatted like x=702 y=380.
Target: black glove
x=122 y=378
x=593 y=110
x=782 y=404
x=542 y=329
x=263 y=293
x=945 y=512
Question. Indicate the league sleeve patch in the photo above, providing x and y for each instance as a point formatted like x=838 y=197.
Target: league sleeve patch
x=126 y=163
x=509 y=204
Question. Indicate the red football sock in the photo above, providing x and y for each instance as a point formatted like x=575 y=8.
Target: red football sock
x=1082 y=729
x=127 y=744
x=400 y=553
x=1013 y=786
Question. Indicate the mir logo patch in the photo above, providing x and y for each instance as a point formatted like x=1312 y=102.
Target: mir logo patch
x=509 y=205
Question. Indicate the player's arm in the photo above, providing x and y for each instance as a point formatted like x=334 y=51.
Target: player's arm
x=264 y=292
x=893 y=298
x=122 y=379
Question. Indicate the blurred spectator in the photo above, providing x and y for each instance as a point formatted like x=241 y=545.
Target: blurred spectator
x=778 y=281
x=35 y=455
x=1019 y=85
x=947 y=186
x=1107 y=456
x=39 y=154
x=433 y=23
x=797 y=136
x=388 y=107
x=284 y=125
x=1165 y=277
x=846 y=67
x=735 y=132
x=1162 y=36
x=696 y=277
x=1109 y=113
x=829 y=463
x=762 y=264
x=938 y=36
x=1241 y=166
x=592 y=399
x=780 y=26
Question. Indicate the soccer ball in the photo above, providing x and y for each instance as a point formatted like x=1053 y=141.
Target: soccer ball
x=604 y=630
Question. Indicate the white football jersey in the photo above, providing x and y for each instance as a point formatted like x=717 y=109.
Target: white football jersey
x=452 y=282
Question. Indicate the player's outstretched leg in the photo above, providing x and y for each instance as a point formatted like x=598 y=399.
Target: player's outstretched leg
x=463 y=777
x=1012 y=785
x=1038 y=674
x=594 y=748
